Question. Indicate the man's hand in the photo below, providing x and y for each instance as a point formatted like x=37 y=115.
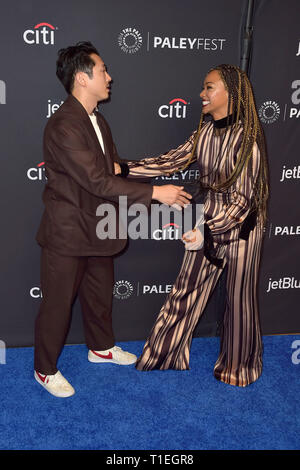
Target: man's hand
x=170 y=194
x=117 y=168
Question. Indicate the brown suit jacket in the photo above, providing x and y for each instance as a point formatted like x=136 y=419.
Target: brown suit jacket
x=80 y=178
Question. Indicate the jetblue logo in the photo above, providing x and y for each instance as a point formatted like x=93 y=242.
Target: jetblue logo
x=52 y=107
x=2 y=92
x=283 y=283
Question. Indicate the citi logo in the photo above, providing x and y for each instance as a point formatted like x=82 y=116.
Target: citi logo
x=36 y=293
x=37 y=173
x=2 y=92
x=169 y=231
x=176 y=108
x=42 y=33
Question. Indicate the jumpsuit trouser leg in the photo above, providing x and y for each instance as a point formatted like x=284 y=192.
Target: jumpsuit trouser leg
x=168 y=346
x=241 y=349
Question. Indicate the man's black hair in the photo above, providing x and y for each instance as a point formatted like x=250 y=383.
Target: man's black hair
x=75 y=59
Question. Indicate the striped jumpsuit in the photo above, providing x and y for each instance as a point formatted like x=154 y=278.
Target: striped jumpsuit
x=168 y=345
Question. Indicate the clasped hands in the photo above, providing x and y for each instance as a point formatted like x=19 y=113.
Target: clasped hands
x=176 y=197
x=169 y=194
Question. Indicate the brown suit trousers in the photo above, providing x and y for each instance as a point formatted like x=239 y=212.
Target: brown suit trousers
x=62 y=278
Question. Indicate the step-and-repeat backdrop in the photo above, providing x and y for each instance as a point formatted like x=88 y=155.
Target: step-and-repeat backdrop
x=157 y=53
x=275 y=74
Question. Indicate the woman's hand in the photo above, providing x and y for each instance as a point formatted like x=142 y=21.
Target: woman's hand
x=171 y=195
x=193 y=239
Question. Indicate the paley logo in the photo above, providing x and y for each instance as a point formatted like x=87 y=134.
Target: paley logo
x=289 y=230
x=122 y=290
x=283 y=283
x=184 y=175
x=203 y=44
x=42 y=33
x=176 y=108
x=290 y=173
x=169 y=231
x=37 y=173
x=295 y=98
x=52 y=107
x=269 y=112
x=156 y=288
x=2 y=92
x=130 y=40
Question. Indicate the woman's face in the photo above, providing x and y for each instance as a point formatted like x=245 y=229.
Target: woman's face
x=214 y=96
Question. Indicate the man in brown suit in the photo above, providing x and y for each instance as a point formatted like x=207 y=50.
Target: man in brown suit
x=79 y=156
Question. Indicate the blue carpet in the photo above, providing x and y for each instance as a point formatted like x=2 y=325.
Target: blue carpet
x=119 y=408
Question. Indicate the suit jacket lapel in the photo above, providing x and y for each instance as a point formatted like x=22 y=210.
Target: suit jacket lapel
x=105 y=138
x=80 y=110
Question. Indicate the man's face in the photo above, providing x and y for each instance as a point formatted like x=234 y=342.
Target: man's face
x=98 y=85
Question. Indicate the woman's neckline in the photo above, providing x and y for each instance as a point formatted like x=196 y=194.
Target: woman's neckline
x=223 y=122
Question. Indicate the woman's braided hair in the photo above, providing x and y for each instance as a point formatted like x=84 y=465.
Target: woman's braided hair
x=242 y=106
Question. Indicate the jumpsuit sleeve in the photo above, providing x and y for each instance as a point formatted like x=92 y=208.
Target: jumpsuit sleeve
x=164 y=164
x=236 y=211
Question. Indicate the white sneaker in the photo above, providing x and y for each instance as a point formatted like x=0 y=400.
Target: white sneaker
x=55 y=384
x=115 y=355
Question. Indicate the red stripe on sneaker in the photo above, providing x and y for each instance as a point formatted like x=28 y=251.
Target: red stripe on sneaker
x=41 y=377
x=108 y=356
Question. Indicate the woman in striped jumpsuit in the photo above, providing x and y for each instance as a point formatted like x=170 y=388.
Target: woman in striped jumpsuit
x=231 y=156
